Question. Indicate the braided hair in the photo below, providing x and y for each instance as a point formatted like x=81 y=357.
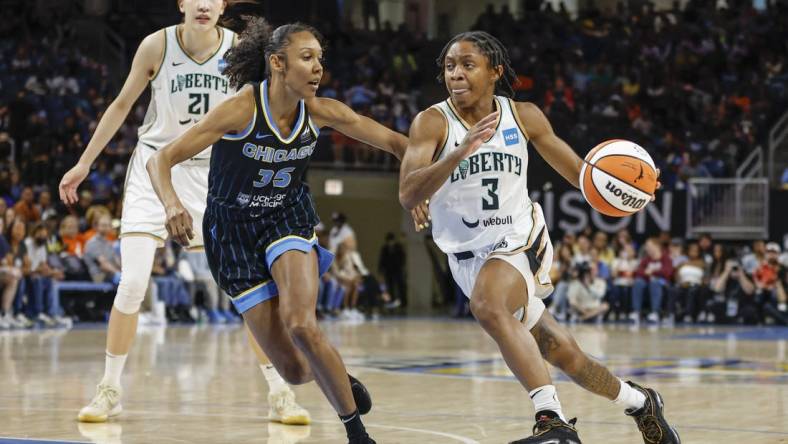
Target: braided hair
x=258 y=39
x=496 y=54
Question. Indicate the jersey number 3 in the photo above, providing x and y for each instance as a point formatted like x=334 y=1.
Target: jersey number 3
x=492 y=194
x=198 y=103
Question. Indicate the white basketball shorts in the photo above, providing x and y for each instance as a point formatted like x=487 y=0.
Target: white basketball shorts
x=143 y=213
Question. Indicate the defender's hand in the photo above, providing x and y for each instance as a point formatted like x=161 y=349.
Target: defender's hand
x=179 y=224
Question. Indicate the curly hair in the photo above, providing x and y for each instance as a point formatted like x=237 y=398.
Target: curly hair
x=496 y=54
x=256 y=40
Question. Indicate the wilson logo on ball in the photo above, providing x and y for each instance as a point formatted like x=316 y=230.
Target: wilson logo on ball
x=626 y=199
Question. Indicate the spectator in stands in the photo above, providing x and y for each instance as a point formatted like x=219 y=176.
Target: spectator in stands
x=690 y=279
x=171 y=288
x=770 y=280
x=22 y=262
x=653 y=274
x=582 y=250
x=623 y=238
x=602 y=245
x=217 y=304
x=623 y=273
x=26 y=207
x=43 y=298
x=734 y=296
x=752 y=260
x=10 y=275
x=561 y=274
x=676 y=252
x=341 y=233
x=391 y=265
x=101 y=257
x=586 y=293
x=45 y=207
x=349 y=277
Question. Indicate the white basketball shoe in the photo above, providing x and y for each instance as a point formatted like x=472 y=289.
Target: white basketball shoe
x=283 y=408
x=104 y=405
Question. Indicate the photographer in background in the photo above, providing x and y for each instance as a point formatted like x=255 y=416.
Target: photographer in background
x=734 y=296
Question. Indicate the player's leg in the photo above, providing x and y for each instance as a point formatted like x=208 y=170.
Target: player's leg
x=497 y=293
x=281 y=399
x=137 y=253
x=296 y=274
x=559 y=348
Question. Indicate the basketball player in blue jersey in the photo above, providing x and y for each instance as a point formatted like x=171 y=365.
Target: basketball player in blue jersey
x=182 y=64
x=259 y=225
x=468 y=156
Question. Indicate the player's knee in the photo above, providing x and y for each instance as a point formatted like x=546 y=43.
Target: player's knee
x=304 y=332
x=295 y=374
x=130 y=295
x=489 y=315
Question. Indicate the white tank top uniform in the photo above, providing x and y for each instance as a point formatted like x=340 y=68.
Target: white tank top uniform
x=182 y=92
x=483 y=211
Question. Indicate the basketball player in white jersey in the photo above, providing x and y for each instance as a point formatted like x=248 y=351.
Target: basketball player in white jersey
x=468 y=156
x=183 y=65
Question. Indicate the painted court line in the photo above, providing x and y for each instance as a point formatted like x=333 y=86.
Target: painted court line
x=459 y=438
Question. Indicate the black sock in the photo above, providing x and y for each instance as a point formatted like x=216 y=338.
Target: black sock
x=353 y=425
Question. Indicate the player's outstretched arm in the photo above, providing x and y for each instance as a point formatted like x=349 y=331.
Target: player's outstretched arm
x=419 y=176
x=232 y=115
x=555 y=151
x=144 y=66
x=337 y=115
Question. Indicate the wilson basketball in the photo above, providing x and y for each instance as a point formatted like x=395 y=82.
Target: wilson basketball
x=618 y=178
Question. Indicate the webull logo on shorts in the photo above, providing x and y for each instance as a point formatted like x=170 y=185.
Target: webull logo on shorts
x=627 y=199
x=493 y=221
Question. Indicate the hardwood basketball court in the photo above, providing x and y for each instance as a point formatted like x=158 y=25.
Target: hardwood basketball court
x=432 y=381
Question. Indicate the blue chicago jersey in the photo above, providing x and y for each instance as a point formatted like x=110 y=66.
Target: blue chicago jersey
x=257 y=173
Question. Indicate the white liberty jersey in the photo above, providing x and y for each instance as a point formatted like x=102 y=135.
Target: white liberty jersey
x=485 y=200
x=183 y=91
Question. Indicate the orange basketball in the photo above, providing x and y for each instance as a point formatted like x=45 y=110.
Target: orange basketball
x=618 y=178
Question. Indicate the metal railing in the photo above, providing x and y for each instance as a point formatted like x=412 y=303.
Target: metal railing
x=752 y=166
x=734 y=208
x=778 y=149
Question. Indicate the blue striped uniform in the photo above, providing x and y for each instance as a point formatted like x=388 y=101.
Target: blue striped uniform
x=259 y=206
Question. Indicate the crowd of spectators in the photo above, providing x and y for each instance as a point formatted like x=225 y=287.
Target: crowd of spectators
x=668 y=280
x=698 y=87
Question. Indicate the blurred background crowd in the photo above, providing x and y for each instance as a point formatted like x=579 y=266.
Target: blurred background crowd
x=698 y=86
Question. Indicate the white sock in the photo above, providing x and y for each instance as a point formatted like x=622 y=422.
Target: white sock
x=275 y=381
x=113 y=367
x=629 y=397
x=545 y=398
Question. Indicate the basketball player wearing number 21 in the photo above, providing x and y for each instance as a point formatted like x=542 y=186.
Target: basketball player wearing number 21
x=468 y=156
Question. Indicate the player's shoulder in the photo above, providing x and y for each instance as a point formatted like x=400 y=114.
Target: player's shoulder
x=431 y=119
x=525 y=109
x=153 y=44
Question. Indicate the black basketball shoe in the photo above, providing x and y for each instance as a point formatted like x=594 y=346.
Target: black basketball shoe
x=361 y=396
x=549 y=428
x=361 y=440
x=651 y=419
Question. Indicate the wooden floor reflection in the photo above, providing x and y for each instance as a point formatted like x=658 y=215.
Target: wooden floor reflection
x=432 y=381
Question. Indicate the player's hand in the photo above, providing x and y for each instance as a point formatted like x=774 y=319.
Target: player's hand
x=659 y=186
x=483 y=130
x=421 y=215
x=179 y=224
x=70 y=182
